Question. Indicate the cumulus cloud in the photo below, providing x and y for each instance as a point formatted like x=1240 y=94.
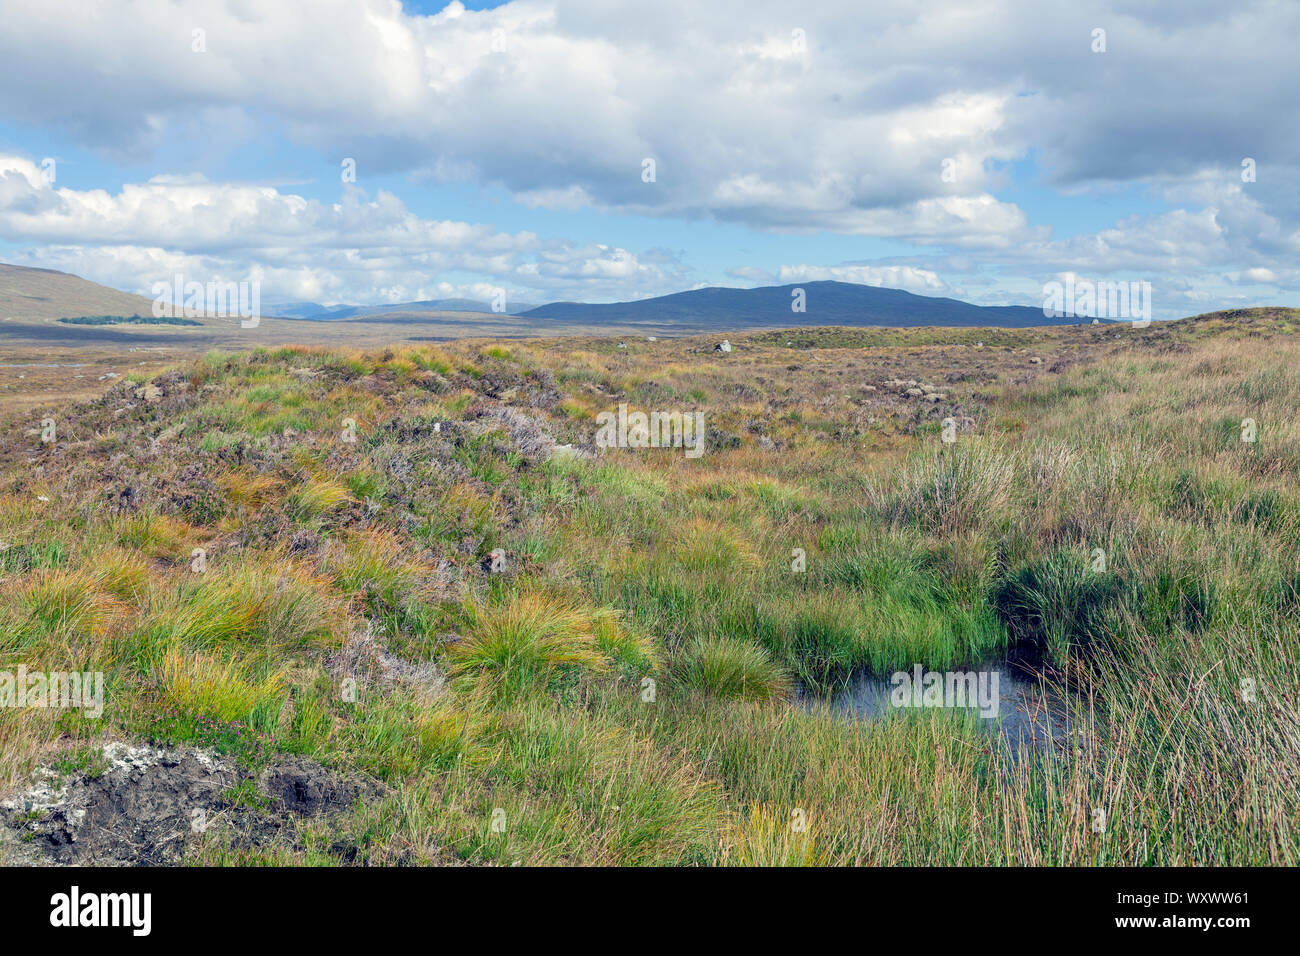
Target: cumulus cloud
x=359 y=249
x=901 y=124
x=771 y=115
x=908 y=278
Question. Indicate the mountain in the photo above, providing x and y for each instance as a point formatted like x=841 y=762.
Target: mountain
x=307 y=310
x=317 y=312
x=44 y=295
x=826 y=303
x=33 y=300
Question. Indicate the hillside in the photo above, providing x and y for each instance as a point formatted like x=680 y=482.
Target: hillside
x=44 y=295
x=827 y=303
x=33 y=300
x=428 y=595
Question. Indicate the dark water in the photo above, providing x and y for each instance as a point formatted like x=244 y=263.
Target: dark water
x=1026 y=712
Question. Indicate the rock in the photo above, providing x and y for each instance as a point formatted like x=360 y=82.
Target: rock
x=1035 y=361
x=171 y=433
x=149 y=392
x=150 y=804
x=723 y=346
x=527 y=433
x=300 y=786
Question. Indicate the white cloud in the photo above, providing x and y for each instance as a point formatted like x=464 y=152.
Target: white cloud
x=908 y=278
x=573 y=96
x=558 y=104
x=359 y=249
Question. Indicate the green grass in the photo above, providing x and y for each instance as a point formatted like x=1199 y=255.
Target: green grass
x=625 y=687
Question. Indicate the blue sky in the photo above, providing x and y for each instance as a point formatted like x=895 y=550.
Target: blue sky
x=977 y=154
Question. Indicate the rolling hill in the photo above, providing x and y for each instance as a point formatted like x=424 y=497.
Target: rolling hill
x=44 y=295
x=827 y=303
x=32 y=301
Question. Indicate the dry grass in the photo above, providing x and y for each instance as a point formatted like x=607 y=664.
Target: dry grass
x=627 y=630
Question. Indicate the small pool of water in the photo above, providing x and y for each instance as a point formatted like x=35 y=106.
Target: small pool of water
x=1026 y=710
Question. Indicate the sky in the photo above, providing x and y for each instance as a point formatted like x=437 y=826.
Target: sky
x=372 y=151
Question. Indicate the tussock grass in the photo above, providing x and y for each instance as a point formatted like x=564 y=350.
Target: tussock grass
x=205 y=686
x=317 y=496
x=733 y=669
x=154 y=535
x=266 y=611
x=248 y=491
x=528 y=642
x=57 y=610
x=767 y=837
x=948 y=490
x=827 y=532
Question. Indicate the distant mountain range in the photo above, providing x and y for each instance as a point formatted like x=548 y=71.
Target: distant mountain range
x=43 y=296
x=825 y=303
x=317 y=312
